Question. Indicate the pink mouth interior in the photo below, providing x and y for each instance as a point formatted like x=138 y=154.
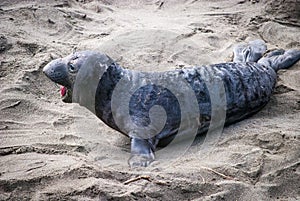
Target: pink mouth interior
x=63 y=90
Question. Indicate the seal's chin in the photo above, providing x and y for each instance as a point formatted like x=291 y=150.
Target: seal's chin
x=66 y=94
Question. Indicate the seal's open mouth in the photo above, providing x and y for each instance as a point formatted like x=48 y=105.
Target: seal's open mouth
x=66 y=94
x=63 y=91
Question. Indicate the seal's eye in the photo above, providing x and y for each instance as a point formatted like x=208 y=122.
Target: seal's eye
x=72 y=68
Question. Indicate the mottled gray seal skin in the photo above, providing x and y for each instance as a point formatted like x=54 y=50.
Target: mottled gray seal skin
x=248 y=83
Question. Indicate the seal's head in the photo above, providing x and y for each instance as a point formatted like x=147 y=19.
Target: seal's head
x=65 y=71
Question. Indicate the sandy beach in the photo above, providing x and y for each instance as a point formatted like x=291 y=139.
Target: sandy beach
x=50 y=150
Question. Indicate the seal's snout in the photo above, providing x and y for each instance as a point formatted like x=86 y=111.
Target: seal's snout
x=54 y=67
x=57 y=72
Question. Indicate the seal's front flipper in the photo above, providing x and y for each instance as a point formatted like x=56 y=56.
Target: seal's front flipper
x=250 y=52
x=142 y=152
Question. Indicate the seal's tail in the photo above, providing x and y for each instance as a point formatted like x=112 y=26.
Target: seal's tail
x=254 y=51
x=280 y=59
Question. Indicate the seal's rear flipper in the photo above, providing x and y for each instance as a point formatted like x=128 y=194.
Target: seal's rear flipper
x=250 y=52
x=280 y=59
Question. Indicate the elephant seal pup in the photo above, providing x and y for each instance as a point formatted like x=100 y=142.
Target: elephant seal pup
x=92 y=79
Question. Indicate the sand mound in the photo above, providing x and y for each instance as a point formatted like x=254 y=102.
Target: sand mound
x=284 y=10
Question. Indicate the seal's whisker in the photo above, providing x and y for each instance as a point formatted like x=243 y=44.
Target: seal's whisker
x=57 y=85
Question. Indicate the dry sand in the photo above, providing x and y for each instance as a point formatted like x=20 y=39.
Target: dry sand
x=55 y=151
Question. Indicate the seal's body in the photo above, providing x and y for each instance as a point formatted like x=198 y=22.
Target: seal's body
x=95 y=81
